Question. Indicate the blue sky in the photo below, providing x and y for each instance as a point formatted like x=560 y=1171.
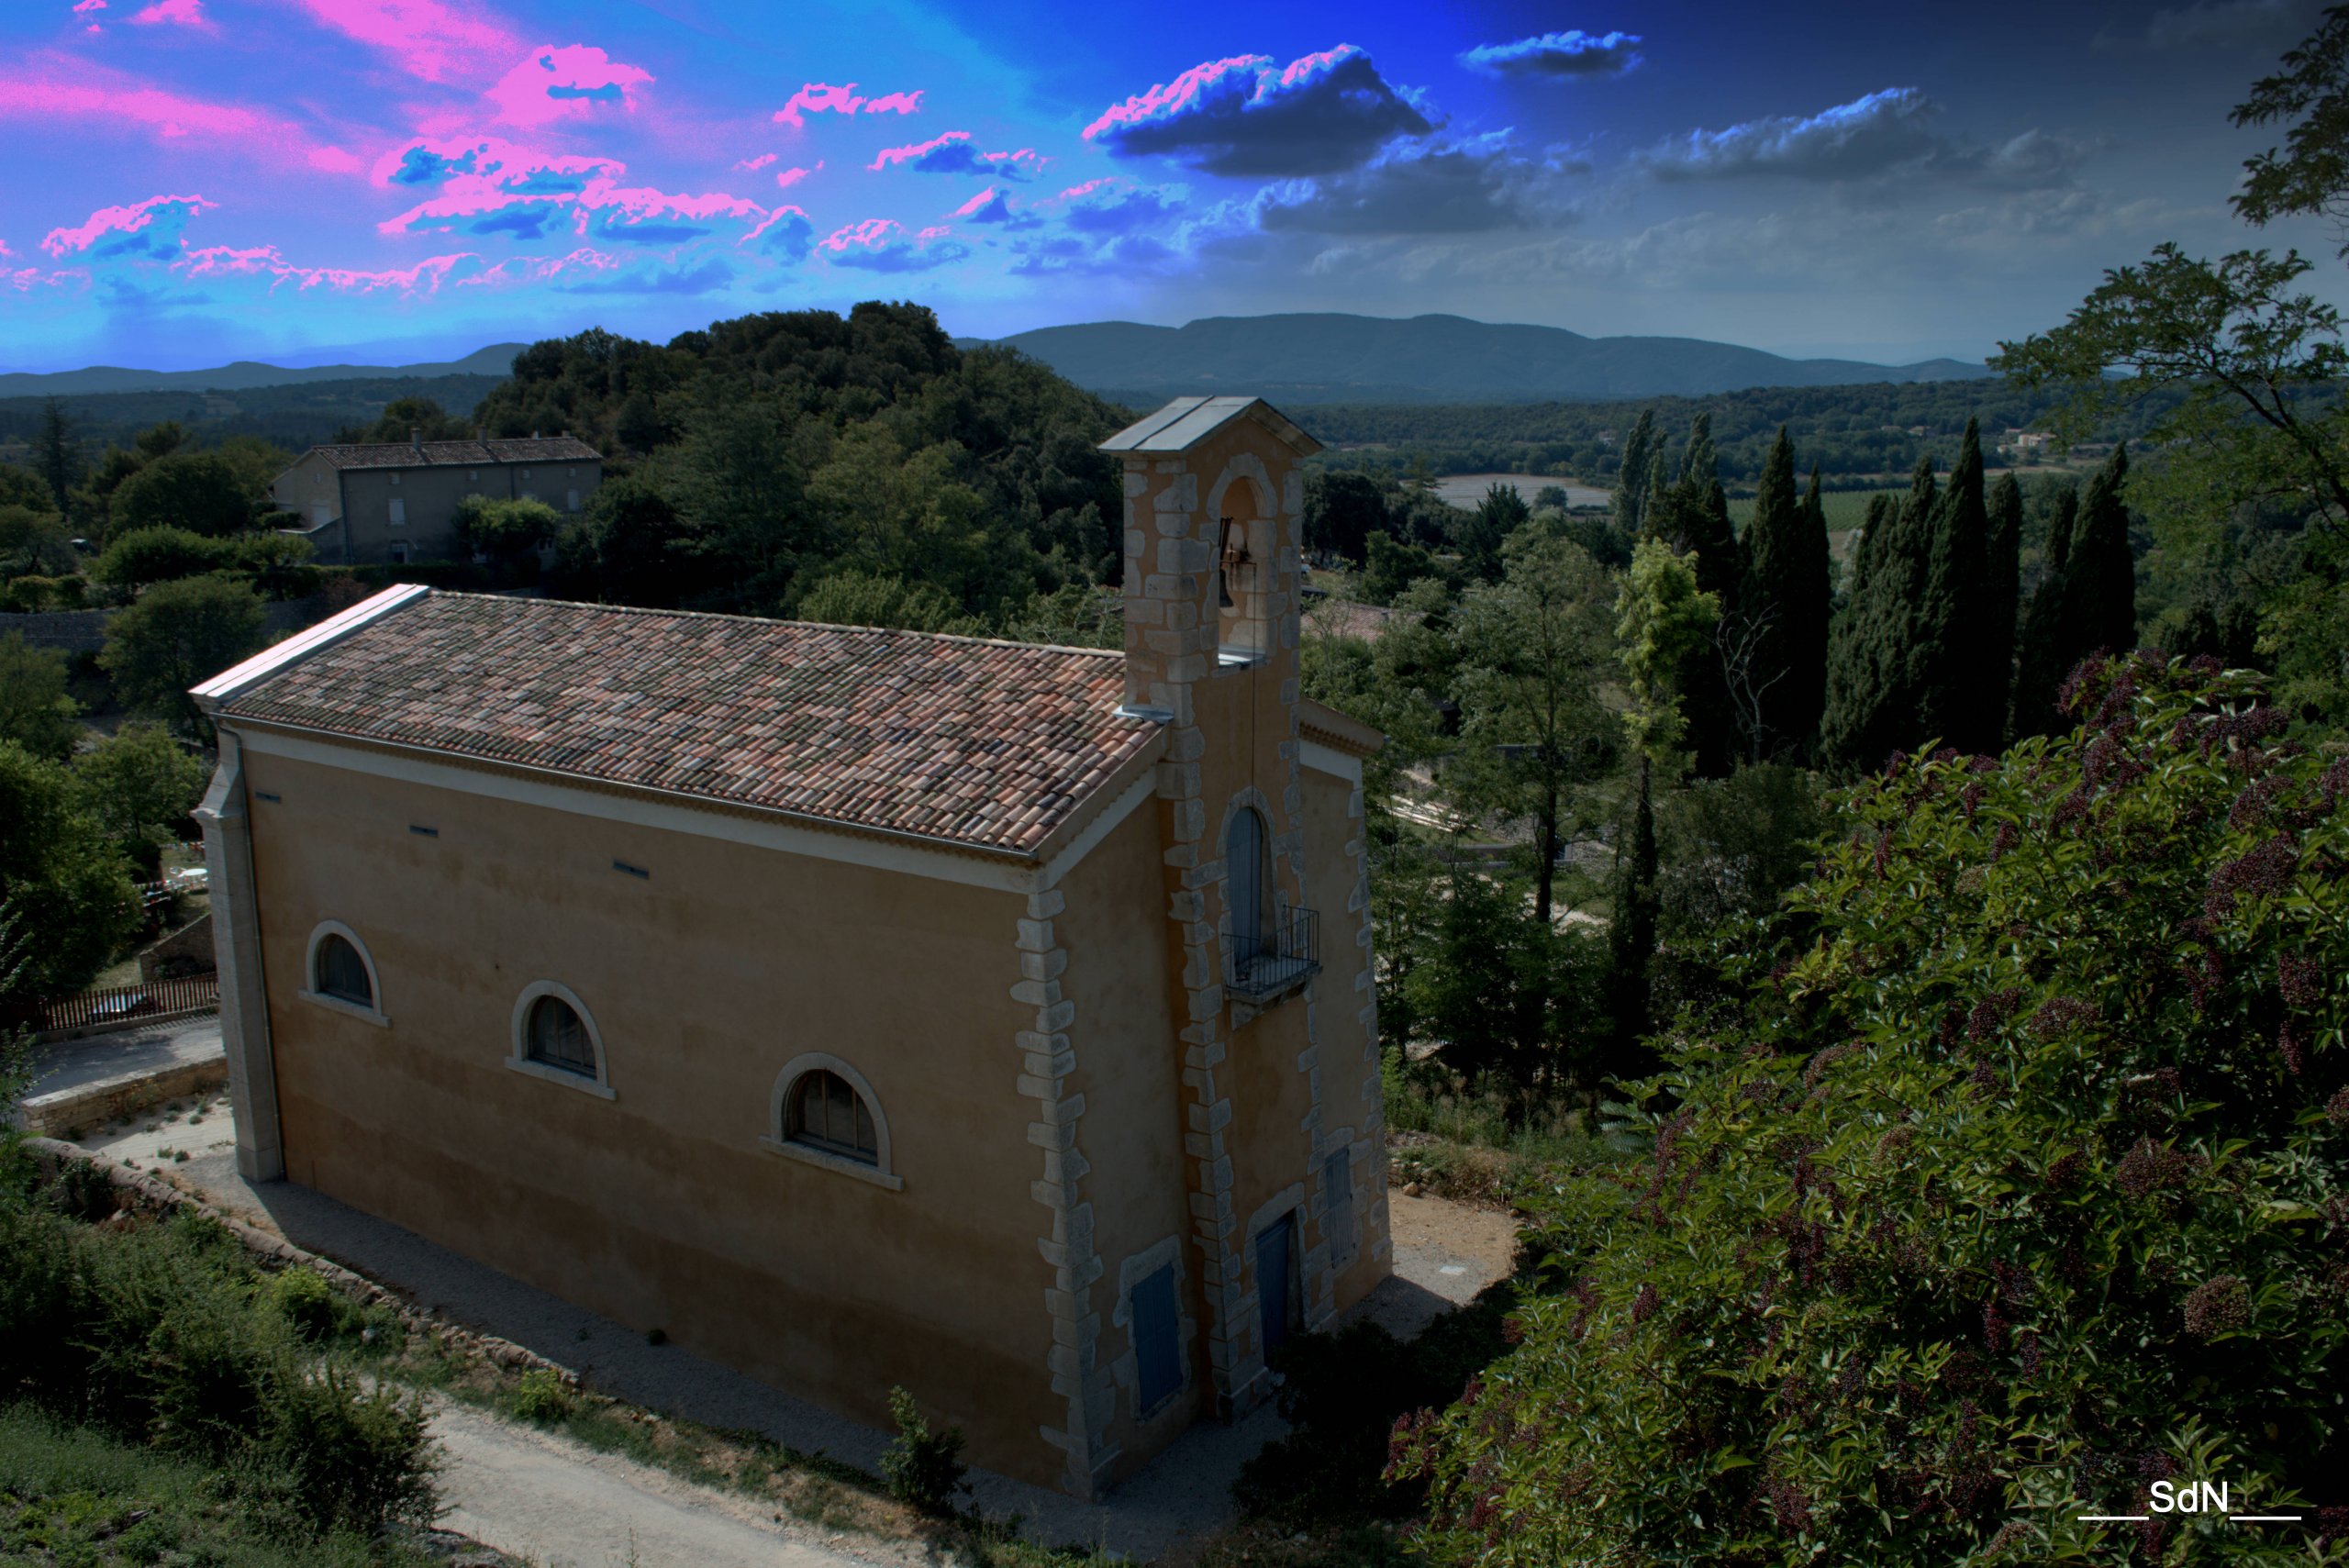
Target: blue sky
x=194 y=180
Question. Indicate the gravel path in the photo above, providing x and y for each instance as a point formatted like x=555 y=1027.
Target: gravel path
x=558 y=1505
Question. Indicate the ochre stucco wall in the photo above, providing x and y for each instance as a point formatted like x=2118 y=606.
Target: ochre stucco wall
x=658 y=1207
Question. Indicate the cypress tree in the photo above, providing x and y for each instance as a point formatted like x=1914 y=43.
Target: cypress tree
x=1952 y=656
x=1784 y=602
x=1874 y=692
x=1691 y=515
x=2102 y=599
x=2002 y=596
x=1631 y=934
x=2040 y=646
x=1638 y=475
x=2086 y=603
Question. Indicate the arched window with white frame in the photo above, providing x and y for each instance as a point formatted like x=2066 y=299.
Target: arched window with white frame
x=825 y=1113
x=555 y=1037
x=339 y=974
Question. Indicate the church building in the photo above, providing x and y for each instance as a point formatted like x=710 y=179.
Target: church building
x=858 y=1007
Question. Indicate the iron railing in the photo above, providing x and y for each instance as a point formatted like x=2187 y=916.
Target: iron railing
x=1283 y=953
x=122 y=1004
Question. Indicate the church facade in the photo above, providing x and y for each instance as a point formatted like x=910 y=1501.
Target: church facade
x=858 y=1007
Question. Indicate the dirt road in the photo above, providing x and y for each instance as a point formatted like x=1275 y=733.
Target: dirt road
x=558 y=1505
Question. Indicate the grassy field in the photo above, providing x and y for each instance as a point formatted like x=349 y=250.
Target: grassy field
x=1846 y=509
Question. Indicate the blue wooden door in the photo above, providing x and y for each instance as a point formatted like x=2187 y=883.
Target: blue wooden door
x=1275 y=1289
x=1155 y=1329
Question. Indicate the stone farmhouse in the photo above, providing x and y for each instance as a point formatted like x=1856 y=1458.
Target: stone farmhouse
x=860 y=1007
x=388 y=503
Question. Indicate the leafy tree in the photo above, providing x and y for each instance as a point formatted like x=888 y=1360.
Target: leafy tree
x=32 y=540
x=2309 y=175
x=1534 y=735
x=2011 y=1188
x=506 y=530
x=1661 y=619
x=860 y=598
x=67 y=885
x=199 y=492
x=739 y=490
x=406 y=417
x=1783 y=611
x=20 y=486
x=1497 y=517
x=1341 y=512
x=138 y=785
x=2246 y=369
x=629 y=547
x=178 y=634
x=1393 y=565
x=158 y=555
x=1505 y=997
x=35 y=711
x=160 y=439
x=1875 y=674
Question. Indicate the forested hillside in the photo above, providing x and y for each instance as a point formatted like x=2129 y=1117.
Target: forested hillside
x=295 y=415
x=834 y=467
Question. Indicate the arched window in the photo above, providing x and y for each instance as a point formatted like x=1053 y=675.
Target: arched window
x=1248 y=886
x=559 y=1037
x=828 y=1114
x=824 y=1113
x=339 y=971
x=555 y=1037
x=341 y=975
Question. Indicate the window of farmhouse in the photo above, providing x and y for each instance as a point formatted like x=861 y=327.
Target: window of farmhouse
x=559 y=1037
x=827 y=1113
x=342 y=974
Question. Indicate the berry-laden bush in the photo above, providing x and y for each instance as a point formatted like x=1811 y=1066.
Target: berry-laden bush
x=2018 y=1188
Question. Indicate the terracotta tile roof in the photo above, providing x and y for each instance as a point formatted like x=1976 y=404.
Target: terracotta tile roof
x=459 y=455
x=990 y=745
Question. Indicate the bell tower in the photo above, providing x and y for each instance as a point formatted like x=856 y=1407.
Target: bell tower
x=1214 y=498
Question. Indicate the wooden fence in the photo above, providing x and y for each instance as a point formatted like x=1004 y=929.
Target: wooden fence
x=153 y=998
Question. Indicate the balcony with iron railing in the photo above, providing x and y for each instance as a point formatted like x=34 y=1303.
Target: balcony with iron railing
x=1272 y=959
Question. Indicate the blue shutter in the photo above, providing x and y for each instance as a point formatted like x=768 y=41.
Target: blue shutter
x=1273 y=1285
x=1154 y=1331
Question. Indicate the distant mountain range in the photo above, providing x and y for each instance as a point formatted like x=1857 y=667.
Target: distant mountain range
x=1427 y=359
x=244 y=375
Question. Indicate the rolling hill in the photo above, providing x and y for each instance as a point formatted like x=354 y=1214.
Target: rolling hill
x=1310 y=359
x=245 y=375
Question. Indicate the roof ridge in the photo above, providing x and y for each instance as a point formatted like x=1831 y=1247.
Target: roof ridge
x=786 y=620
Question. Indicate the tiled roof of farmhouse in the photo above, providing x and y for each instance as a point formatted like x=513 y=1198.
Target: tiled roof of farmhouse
x=989 y=745
x=459 y=455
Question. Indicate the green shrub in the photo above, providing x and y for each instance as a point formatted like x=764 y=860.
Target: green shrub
x=311 y=1307
x=922 y=1468
x=343 y=1455
x=2018 y=1188
x=540 y=1396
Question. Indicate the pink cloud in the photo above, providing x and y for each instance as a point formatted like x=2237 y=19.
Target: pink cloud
x=823 y=98
x=1087 y=189
x=83 y=8
x=749 y=165
x=178 y=13
x=150 y=229
x=542 y=269
x=953 y=153
x=425 y=276
x=78 y=90
x=431 y=39
x=554 y=84
x=881 y=245
x=975 y=204
x=786 y=230
x=787 y=178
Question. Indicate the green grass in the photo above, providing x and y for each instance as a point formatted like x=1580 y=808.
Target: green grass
x=76 y=1497
x=1845 y=509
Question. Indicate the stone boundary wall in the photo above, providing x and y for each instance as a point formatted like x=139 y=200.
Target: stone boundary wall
x=84 y=631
